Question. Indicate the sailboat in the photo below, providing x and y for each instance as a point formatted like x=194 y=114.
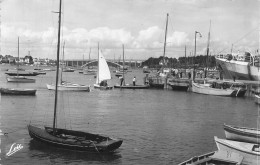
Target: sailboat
x=128 y=86
x=158 y=81
x=103 y=73
x=17 y=78
x=71 y=139
x=90 y=70
x=67 y=86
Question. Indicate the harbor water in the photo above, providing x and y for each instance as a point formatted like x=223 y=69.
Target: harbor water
x=157 y=126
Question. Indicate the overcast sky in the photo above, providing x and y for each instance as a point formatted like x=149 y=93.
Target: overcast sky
x=138 y=24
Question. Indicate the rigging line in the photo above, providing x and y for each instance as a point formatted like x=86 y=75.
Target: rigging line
x=240 y=39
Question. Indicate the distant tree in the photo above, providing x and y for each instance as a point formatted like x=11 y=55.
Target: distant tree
x=30 y=59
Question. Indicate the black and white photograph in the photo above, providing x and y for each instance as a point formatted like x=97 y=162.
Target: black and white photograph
x=130 y=82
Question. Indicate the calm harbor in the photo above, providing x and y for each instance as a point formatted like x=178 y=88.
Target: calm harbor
x=157 y=126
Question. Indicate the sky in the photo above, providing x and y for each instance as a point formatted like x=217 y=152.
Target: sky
x=139 y=25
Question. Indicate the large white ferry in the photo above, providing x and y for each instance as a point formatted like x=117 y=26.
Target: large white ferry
x=243 y=66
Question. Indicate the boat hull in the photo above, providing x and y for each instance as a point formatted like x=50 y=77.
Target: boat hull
x=257 y=99
x=71 y=87
x=8 y=91
x=85 y=142
x=243 y=134
x=132 y=87
x=202 y=89
x=238 y=69
x=215 y=158
x=156 y=82
x=22 y=73
x=102 y=87
x=179 y=84
x=20 y=79
x=247 y=150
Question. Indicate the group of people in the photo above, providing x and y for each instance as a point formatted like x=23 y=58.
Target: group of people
x=122 y=80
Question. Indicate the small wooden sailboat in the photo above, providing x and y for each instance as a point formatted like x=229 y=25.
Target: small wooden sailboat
x=71 y=139
x=68 y=86
x=215 y=158
x=207 y=89
x=158 y=80
x=103 y=73
x=220 y=88
x=16 y=91
x=243 y=134
x=17 y=78
x=250 y=151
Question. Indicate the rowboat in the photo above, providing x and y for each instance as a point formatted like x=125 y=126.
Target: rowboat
x=244 y=134
x=13 y=91
x=250 y=151
x=215 y=158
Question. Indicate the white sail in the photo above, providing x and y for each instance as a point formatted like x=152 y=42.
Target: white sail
x=103 y=70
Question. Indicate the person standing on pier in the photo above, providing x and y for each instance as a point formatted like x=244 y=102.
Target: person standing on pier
x=121 y=80
x=134 y=81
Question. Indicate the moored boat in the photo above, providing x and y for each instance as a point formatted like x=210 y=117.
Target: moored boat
x=68 y=70
x=244 y=134
x=250 y=151
x=74 y=140
x=215 y=158
x=179 y=84
x=66 y=86
x=156 y=82
x=103 y=73
x=70 y=139
x=20 y=79
x=22 y=73
x=257 y=99
x=127 y=86
x=207 y=90
x=16 y=91
x=239 y=66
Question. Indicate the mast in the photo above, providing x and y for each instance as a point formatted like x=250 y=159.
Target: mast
x=207 y=58
x=62 y=62
x=98 y=66
x=18 y=59
x=57 y=71
x=185 y=61
x=165 y=41
x=123 y=65
x=89 y=56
